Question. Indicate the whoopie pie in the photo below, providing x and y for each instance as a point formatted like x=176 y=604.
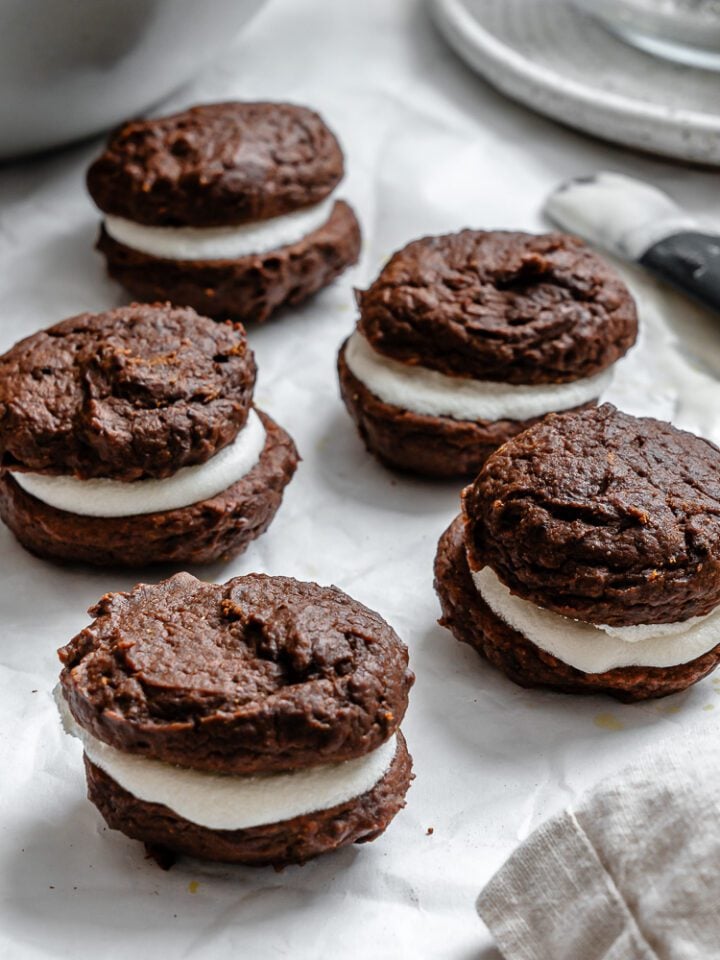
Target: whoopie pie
x=130 y=437
x=465 y=340
x=227 y=207
x=253 y=722
x=587 y=557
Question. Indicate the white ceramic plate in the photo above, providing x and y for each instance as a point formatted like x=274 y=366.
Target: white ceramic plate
x=562 y=63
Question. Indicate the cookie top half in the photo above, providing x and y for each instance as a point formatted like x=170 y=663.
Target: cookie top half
x=509 y=307
x=217 y=164
x=258 y=674
x=603 y=517
x=131 y=393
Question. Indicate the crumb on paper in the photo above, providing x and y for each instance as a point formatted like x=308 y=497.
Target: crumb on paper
x=430 y=831
x=193 y=886
x=709 y=706
x=607 y=721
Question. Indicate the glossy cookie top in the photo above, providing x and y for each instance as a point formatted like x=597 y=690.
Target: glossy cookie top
x=509 y=307
x=258 y=674
x=217 y=164
x=136 y=392
x=603 y=517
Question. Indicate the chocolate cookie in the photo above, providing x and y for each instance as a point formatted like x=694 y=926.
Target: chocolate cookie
x=129 y=438
x=603 y=517
x=216 y=165
x=226 y=207
x=501 y=306
x=255 y=721
x=466 y=340
x=136 y=392
x=587 y=557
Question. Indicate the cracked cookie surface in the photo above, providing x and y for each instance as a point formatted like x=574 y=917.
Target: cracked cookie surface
x=217 y=164
x=258 y=674
x=502 y=306
x=132 y=393
x=603 y=517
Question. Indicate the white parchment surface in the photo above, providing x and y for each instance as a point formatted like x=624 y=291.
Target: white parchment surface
x=430 y=148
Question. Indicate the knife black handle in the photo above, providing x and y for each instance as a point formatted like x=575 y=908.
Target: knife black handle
x=690 y=262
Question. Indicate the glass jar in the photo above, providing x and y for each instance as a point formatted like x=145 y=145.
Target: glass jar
x=687 y=31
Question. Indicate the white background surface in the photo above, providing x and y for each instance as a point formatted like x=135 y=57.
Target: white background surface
x=430 y=148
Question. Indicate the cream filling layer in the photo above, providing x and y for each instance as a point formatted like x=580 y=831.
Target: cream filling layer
x=597 y=648
x=434 y=394
x=100 y=497
x=220 y=243
x=231 y=802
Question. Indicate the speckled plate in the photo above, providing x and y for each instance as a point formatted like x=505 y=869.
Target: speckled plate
x=561 y=62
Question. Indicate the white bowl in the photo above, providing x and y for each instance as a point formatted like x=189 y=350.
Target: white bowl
x=70 y=68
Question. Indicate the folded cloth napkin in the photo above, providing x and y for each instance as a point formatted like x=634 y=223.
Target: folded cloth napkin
x=631 y=873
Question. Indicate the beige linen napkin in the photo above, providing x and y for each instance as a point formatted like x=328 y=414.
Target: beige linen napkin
x=631 y=873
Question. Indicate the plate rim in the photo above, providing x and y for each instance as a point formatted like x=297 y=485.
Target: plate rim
x=481 y=48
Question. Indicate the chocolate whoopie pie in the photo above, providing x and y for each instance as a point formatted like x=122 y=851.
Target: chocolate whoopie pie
x=252 y=722
x=465 y=340
x=226 y=207
x=130 y=437
x=587 y=557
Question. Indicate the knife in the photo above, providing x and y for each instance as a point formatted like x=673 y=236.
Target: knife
x=637 y=222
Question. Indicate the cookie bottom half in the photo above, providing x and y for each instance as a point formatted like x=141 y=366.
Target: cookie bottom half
x=213 y=529
x=250 y=288
x=471 y=621
x=278 y=844
x=435 y=447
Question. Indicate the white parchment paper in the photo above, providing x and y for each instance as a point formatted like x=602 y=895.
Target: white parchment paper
x=430 y=148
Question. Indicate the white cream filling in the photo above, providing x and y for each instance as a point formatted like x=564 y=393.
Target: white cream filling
x=232 y=802
x=220 y=243
x=434 y=394
x=596 y=648
x=114 y=498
